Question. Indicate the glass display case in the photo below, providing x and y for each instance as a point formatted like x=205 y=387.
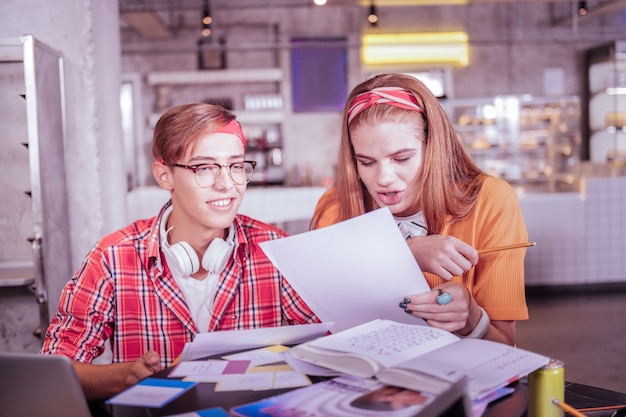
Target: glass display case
x=526 y=140
x=605 y=123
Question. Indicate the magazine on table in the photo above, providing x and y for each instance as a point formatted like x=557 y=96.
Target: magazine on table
x=347 y=396
x=420 y=358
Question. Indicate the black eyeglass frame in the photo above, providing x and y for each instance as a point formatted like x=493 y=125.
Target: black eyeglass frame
x=216 y=178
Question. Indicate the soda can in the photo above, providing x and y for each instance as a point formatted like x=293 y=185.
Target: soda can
x=544 y=384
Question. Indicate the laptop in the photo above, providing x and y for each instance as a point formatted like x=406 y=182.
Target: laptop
x=40 y=385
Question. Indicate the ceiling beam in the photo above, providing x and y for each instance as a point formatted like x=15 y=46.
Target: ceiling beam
x=610 y=6
x=160 y=5
x=148 y=24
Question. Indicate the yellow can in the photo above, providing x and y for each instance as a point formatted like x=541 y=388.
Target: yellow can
x=544 y=384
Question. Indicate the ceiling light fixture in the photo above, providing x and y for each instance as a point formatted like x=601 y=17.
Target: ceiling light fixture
x=372 y=17
x=319 y=2
x=206 y=19
x=413 y=48
x=582 y=8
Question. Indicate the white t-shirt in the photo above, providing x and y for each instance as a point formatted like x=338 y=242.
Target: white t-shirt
x=199 y=294
x=412 y=226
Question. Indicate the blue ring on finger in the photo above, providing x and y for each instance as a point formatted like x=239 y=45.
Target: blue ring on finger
x=443 y=297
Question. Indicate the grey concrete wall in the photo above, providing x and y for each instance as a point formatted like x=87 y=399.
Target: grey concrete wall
x=511 y=45
x=86 y=33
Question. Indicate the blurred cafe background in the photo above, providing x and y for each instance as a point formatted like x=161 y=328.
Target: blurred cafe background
x=535 y=88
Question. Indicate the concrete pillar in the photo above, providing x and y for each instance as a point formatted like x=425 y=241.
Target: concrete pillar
x=86 y=33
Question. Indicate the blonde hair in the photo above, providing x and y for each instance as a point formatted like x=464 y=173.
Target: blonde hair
x=450 y=179
x=181 y=127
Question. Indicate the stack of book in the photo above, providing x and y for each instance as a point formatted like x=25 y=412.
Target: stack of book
x=421 y=358
x=405 y=369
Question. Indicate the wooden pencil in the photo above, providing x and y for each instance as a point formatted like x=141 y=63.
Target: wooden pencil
x=507 y=247
x=606 y=407
x=567 y=408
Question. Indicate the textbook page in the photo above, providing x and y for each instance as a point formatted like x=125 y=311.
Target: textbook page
x=351 y=272
x=488 y=365
x=410 y=356
x=387 y=342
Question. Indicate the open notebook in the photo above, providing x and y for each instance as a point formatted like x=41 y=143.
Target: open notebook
x=39 y=385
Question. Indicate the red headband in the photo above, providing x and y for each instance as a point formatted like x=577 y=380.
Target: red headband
x=234 y=128
x=393 y=96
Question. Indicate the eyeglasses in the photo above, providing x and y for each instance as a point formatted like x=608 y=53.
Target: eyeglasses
x=208 y=174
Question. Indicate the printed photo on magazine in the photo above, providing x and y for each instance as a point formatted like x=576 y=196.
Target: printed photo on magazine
x=339 y=397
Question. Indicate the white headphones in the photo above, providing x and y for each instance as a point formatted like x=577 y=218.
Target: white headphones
x=182 y=259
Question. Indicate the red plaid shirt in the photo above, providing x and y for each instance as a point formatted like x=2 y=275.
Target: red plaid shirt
x=121 y=292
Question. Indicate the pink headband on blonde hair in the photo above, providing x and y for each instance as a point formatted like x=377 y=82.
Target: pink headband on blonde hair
x=393 y=96
x=234 y=128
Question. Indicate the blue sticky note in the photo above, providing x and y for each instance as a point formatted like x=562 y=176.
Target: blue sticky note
x=207 y=412
x=213 y=412
x=152 y=392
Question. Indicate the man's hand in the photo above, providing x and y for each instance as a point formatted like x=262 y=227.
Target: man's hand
x=143 y=367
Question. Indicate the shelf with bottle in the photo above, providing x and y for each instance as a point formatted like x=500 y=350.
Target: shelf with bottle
x=261 y=107
x=255 y=96
x=523 y=139
x=264 y=145
x=244 y=75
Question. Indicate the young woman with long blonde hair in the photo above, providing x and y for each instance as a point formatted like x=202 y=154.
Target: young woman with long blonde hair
x=399 y=149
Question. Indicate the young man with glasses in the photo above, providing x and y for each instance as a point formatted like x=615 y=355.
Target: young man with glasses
x=151 y=287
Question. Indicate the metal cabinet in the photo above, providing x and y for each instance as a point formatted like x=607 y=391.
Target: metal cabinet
x=34 y=171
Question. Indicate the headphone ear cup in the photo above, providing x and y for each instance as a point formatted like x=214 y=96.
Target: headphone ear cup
x=216 y=256
x=182 y=258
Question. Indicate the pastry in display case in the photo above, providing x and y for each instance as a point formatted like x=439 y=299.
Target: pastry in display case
x=526 y=140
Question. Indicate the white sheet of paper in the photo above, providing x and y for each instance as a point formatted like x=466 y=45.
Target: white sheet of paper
x=147 y=396
x=351 y=272
x=258 y=357
x=290 y=379
x=212 y=378
x=212 y=343
x=199 y=368
x=249 y=381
